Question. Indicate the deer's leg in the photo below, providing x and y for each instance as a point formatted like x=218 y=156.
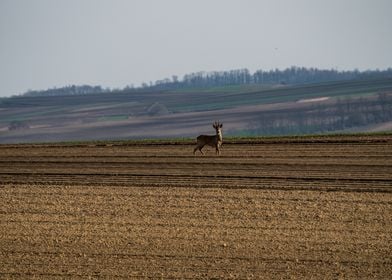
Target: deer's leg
x=198 y=147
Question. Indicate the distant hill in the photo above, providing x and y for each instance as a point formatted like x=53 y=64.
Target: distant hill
x=233 y=79
x=247 y=109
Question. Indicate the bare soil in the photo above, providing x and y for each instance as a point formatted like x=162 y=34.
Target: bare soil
x=273 y=210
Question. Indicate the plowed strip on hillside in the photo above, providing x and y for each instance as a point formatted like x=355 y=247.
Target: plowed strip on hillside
x=320 y=209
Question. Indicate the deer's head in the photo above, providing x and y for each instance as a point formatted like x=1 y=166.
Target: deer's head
x=218 y=126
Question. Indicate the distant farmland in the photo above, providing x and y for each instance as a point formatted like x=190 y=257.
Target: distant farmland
x=362 y=105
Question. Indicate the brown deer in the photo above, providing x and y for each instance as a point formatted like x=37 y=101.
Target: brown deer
x=210 y=140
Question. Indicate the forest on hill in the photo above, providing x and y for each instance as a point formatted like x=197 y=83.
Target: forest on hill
x=238 y=77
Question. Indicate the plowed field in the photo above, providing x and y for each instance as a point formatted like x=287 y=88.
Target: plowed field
x=300 y=208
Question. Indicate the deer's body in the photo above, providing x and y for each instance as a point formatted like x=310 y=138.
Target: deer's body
x=210 y=140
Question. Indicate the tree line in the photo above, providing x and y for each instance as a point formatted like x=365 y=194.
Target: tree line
x=67 y=90
x=345 y=114
x=290 y=76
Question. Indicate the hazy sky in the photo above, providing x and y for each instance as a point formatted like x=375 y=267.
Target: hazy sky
x=114 y=43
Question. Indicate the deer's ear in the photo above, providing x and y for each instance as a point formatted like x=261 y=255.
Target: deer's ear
x=221 y=125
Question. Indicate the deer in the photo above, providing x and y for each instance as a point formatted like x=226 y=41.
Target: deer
x=210 y=140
